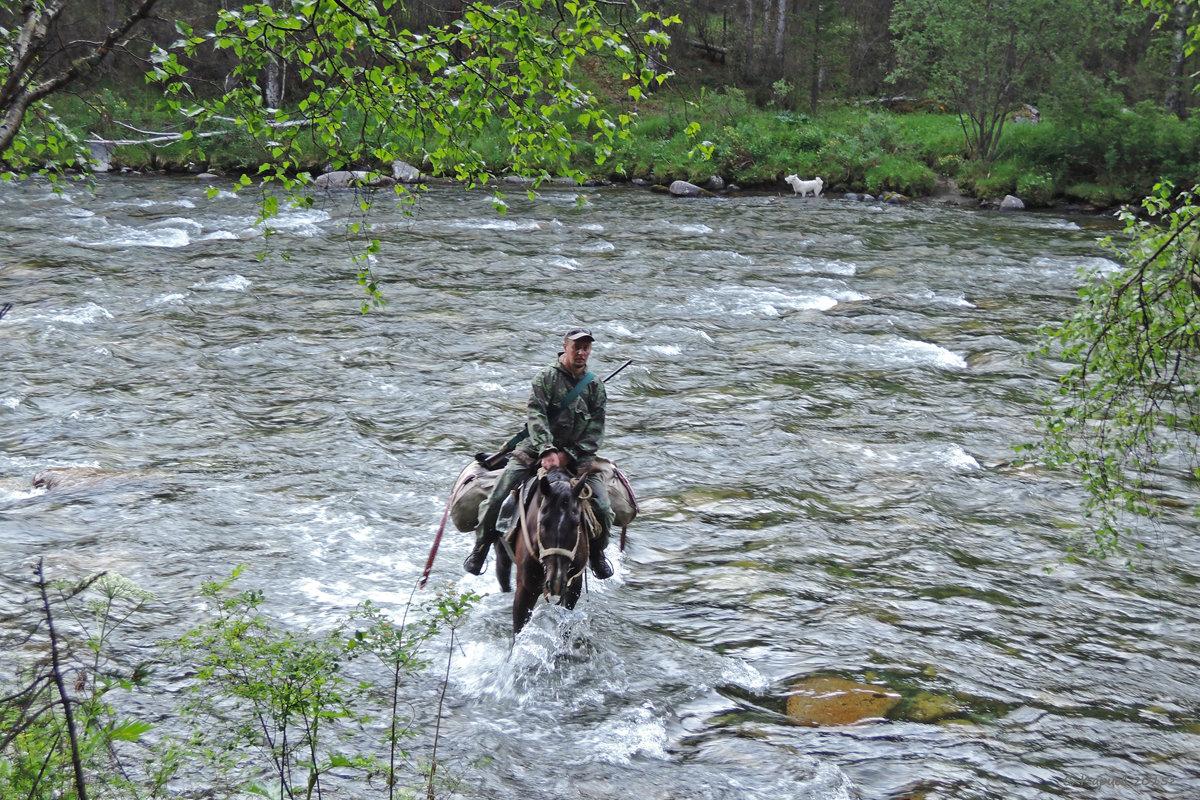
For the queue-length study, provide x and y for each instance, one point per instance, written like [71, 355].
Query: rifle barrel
[613, 374]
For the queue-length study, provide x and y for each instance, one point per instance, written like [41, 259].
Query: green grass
[1112, 156]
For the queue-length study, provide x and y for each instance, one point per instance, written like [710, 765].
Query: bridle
[533, 540]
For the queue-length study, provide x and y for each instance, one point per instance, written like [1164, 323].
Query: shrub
[1036, 189]
[1092, 194]
[990, 180]
[900, 174]
[844, 162]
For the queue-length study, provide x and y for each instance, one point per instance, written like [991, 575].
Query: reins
[533, 541]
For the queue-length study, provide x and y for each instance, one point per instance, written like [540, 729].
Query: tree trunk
[814, 95]
[273, 84]
[19, 91]
[781, 27]
[1175, 100]
[750, 48]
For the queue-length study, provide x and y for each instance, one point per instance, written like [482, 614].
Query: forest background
[1085, 102]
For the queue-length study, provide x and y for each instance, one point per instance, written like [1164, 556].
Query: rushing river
[819, 423]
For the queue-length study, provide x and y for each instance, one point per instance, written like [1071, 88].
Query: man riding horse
[565, 424]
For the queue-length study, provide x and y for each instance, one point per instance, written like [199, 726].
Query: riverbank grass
[1111, 157]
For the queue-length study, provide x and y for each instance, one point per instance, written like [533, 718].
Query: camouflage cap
[575, 334]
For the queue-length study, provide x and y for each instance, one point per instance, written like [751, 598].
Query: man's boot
[474, 562]
[600, 566]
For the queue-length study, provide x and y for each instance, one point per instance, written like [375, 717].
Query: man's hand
[555, 458]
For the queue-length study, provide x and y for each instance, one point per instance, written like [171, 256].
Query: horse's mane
[558, 481]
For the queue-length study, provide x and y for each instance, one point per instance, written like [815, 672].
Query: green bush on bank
[1099, 153]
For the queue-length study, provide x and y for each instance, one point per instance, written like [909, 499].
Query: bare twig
[60, 684]
[437, 725]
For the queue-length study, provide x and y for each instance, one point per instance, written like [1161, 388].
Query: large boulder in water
[404, 172]
[826, 700]
[347, 178]
[1012, 203]
[685, 189]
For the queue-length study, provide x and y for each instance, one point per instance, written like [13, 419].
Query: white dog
[802, 188]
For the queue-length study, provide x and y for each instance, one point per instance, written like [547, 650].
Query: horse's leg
[523, 602]
[574, 589]
[503, 567]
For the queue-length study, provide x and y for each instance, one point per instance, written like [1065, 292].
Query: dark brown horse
[550, 546]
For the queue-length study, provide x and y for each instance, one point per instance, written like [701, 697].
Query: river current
[819, 423]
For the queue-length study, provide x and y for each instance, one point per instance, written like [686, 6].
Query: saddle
[509, 521]
[475, 483]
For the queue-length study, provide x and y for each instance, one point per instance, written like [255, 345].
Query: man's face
[575, 354]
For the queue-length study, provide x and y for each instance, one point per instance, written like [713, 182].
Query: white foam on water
[740, 673]
[930, 296]
[816, 266]
[83, 315]
[544, 659]
[333, 595]
[682, 228]
[893, 351]
[561, 262]
[177, 222]
[166, 237]
[10, 402]
[219, 236]
[636, 732]
[592, 227]
[752, 301]
[20, 494]
[173, 298]
[667, 349]
[914, 457]
[230, 283]
[302, 222]
[598, 247]
[1034, 221]
[1072, 266]
[725, 257]
[499, 225]
[917, 352]
[959, 458]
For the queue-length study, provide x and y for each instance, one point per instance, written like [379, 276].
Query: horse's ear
[544, 484]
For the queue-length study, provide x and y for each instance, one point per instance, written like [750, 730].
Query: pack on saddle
[476, 481]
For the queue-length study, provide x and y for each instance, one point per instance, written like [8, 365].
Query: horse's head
[563, 549]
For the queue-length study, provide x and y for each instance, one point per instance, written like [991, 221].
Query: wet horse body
[550, 549]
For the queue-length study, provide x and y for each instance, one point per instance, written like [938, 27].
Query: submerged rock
[826, 700]
[929, 707]
[63, 477]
